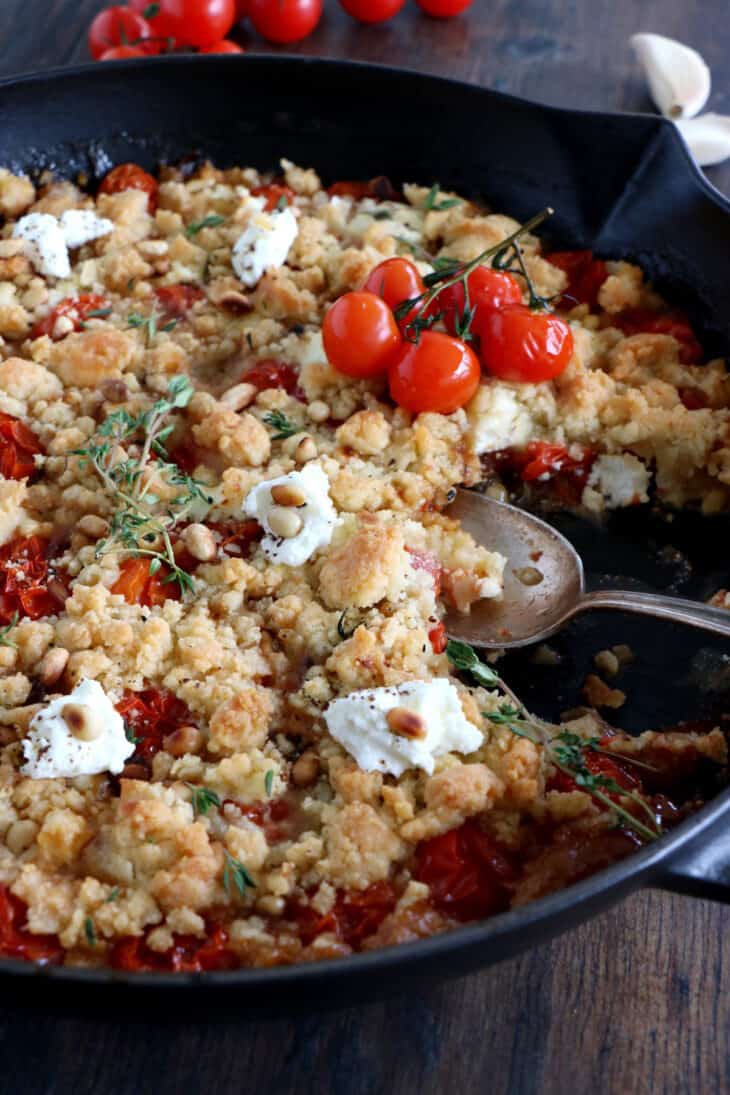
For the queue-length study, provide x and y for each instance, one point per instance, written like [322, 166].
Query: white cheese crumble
[318, 515]
[502, 422]
[48, 238]
[80, 226]
[616, 480]
[51, 749]
[263, 245]
[358, 722]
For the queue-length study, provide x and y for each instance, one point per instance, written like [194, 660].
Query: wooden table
[633, 1002]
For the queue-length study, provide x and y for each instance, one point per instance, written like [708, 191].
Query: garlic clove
[678, 78]
[707, 137]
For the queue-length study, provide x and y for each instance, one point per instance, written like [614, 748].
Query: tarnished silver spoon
[544, 586]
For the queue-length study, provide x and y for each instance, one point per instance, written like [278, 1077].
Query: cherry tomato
[150, 10]
[130, 176]
[18, 446]
[468, 875]
[177, 300]
[122, 53]
[276, 194]
[396, 280]
[542, 460]
[488, 290]
[524, 346]
[355, 915]
[188, 954]
[372, 11]
[196, 22]
[29, 586]
[284, 21]
[17, 942]
[380, 188]
[242, 9]
[139, 587]
[237, 537]
[443, 9]
[438, 373]
[635, 321]
[437, 638]
[224, 46]
[119, 26]
[269, 373]
[599, 765]
[586, 275]
[151, 715]
[360, 335]
[76, 309]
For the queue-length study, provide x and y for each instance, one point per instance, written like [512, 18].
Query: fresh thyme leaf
[5, 631]
[148, 324]
[464, 658]
[129, 733]
[203, 798]
[89, 930]
[234, 872]
[278, 422]
[151, 11]
[213, 220]
[431, 203]
[99, 313]
[113, 896]
[170, 325]
[281, 204]
[342, 629]
[269, 781]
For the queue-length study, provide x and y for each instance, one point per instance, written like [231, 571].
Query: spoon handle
[665, 608]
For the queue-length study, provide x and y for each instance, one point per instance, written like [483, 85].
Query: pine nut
[52, 665]
[405, 723]
[284, 522]
[114, 391]
[186, 739]
[20, 836]
[529, 576]
[239, 396]
[200, 542]
[305, 450]
[305, 770]
[234, 301]
[93, 526]
[318, 411]
[82, 721]
[286, 494]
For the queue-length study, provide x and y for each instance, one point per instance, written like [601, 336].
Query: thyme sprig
[202, 799]
[449, 272]
[213, 220]
[5, 631]
[567, 751]
[234, 873]
[149, 324]
[432, 203]
[121, 458]
[281, 425]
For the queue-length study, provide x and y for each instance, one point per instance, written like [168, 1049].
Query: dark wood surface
[634, 1002]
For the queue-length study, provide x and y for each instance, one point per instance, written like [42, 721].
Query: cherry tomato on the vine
[488, 290]
[122, 53]
[242, 9]
[277, 194]
[118, 26]
[438, 373]
[224, 46]
[396, 280]
[130, 176]
[443, 9]
[195, 22]
[372, 11]
[360, 335]
[524, 346]
[284, 21]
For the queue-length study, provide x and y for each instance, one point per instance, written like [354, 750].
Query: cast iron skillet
[622, 184]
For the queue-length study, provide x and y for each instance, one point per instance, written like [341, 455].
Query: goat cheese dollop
[619, 479]
[52, 749]
[49, 237]
[263, 245]
[317, 515]
[80, 226]
[503, 422]
[359, 722]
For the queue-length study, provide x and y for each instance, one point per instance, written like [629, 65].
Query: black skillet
[622, 184]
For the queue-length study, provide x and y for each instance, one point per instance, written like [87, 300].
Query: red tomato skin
[372, 11]
[18, 446]
[355, 915]
[360, 335]
[269, 373]
[75, 308]
[488, 290]
[25, 576]
[520, 345]
[469, 876]
[177, 300]
[274, 192]
[130, 176]
[586, 275]
[152, 714]
[285, 21]
[118, 26]
[438, 373]
[122, 53]
[437, 638]
[139, 587]
[242, 9]
[396, 280]
[17, 942]
[636, 321]
[443, 9]
[542, 460]
[188, 954]
[224, 46]
[197, 23]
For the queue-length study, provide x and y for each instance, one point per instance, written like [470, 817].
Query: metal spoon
[544, 586]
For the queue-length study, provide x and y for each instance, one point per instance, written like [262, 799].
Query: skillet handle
[702, 871]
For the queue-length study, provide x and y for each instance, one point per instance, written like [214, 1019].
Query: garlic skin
[678, 78]
[707, 137]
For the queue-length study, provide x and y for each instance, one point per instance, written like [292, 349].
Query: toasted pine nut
[186, 739]
[52, 665]
[82, 721]
[114, 391]
[92, 525]
[200, 542]
[286, 494]
[9, 248]
[318, 410]
[234, 301]
[305, 450]
[20, 836]
[305, 770]
[239, 396]
[405, 723]
[284, 522]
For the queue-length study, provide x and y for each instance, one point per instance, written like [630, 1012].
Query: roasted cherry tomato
[277, 195]
[176, 300]
[586, 275]
[151, 715]
[17, 942]
[360, 335]
[443, 9]
[195, 22]
[237, 537]
[396, 280]
[380, 188]
[522, 345]
[598, 764]
[119, 26]
[488, 290]
[468, 875]
[18, 446]
[76, 309]
[355, 915]
[285, 21]
[543, 460]
[28, 584]
[636, 321]
[130, 176]
[438, 373]
[139, 587]
[122, 53]
[188, 954]
[242, 9]
[372, 11]
[269, 373]
[437, 638]
[224, 46]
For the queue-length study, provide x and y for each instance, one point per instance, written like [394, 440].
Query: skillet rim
[608, 885]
